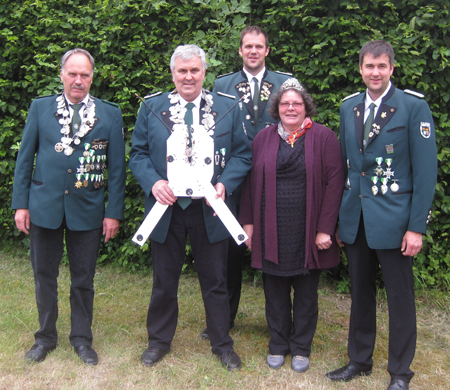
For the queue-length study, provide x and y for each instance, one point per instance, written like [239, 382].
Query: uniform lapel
[358, 117]
[384, 115]
[265, 92]
[243, 88]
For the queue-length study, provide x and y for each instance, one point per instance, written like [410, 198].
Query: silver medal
[68, 151]
[374, 187]
[394, 186]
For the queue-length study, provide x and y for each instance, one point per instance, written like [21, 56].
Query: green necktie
[76, 120]
[189, 121]
[256, 98]
[368, 124]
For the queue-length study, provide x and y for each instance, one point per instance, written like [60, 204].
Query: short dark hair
[310, 107]
[254, 30]
[376, 49]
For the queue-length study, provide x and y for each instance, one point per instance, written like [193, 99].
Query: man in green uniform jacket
[74, 137]
[389, 148]
[208, 235]
[253, 116]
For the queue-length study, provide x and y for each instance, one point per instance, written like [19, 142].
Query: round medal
[68, 151]
[394, 187]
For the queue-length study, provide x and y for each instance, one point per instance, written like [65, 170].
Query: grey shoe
[275, 361]
[300, 363]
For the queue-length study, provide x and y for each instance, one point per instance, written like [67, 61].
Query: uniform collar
[259, 76]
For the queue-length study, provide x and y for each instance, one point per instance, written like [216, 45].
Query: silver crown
[291, 83]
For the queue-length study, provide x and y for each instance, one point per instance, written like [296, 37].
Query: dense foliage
[132, 41]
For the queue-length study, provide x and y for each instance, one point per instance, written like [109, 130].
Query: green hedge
[132, 41]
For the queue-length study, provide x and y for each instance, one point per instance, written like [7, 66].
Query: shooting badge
[394, 185]
[374, 187]
[384, 187]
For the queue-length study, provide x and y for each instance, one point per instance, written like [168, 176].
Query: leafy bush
[132, 43]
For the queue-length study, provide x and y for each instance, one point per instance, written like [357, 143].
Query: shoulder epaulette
[46, 96]
[350, 96]
[285, 73]
[223, 75]
[153, 95]
[111, 103]
[414, 93]
[226, 95]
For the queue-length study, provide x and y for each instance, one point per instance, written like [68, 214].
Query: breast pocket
[395, 129]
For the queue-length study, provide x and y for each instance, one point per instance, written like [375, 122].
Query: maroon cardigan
[324, 187]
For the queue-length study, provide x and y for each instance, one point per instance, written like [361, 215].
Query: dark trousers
[399, 282]
[292, 323]
[46, 248]
[236, 261]
[211, 265]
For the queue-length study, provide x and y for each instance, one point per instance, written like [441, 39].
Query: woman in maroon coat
[289, 209]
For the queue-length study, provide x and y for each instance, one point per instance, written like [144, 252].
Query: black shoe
[398, 384]
[205, 334]
[87, 354]
[38, 353]
[347, 373]
[231, 360]
[151, 356]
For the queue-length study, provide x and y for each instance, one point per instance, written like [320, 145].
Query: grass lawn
[120, 337]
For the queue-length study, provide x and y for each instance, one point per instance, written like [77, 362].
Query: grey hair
[77, 50]
[187, 52]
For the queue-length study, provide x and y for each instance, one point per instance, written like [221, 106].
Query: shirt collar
[85, 100]
[377, 102]
[196, 101]
[259, 76]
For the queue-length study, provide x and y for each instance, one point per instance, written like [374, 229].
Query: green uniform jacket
[148, 158]
[402, 149]
[236, 84]
[50, 192]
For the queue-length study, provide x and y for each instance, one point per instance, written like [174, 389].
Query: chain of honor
[383, 175]
[177, 117]
[87, 123]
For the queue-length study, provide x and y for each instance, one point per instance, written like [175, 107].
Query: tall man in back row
[74, 138]
[257, 84]
[389, 149]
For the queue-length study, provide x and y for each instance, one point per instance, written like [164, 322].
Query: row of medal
[383, 175]
[87, 123]
[89, 163]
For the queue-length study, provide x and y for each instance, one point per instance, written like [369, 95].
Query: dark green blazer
[148, 158]
[236, 84]
[405, 136]
[49, 190]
